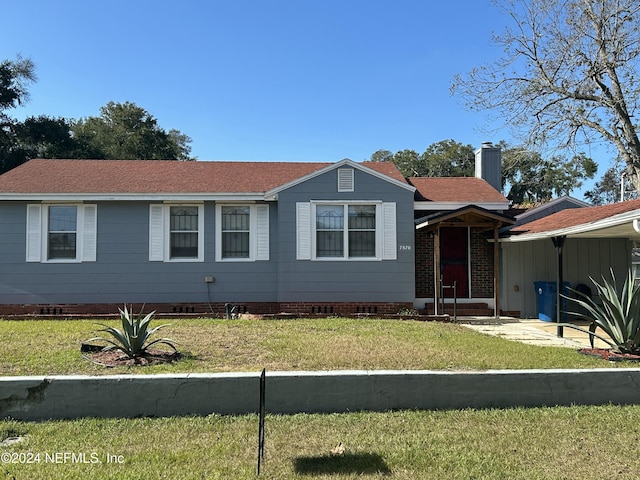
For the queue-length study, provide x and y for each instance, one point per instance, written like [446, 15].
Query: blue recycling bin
[546, 295]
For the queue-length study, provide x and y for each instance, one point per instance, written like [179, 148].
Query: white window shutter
[346, 180]
[303, 231]
[389, 236]
[34, 233]
[262, 233]
[89, 232]
[156, 233]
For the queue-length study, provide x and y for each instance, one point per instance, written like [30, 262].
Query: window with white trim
[176, 232]
[61, 233]
[242, 232]
[346, 231]
[183, 231]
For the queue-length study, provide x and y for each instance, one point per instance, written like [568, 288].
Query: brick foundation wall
[208, 309]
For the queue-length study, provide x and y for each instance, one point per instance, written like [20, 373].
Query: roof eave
[581, 230]
[85, 197]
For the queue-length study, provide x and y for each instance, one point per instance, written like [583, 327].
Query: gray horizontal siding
[524, 263]
[122, 271]
[344, 281]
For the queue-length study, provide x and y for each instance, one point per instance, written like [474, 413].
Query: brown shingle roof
[576, 216]
[161, 176]
[455, 189]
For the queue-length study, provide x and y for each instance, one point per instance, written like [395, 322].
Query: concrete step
[478, 309]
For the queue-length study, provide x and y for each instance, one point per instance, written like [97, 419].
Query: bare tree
[569, 74]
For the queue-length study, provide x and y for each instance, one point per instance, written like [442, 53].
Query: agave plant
[618, 316]
[133, 339]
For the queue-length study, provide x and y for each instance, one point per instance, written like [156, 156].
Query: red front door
[454, 260]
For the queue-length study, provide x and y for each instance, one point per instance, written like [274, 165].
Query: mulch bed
[607, 354]
[115, 358]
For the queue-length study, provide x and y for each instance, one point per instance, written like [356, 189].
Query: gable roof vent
[345, 180]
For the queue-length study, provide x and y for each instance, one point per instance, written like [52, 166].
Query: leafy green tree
[41, 137]
[408, 162]
[381, 156]
[533, 179]
[15, 76]
[607, 189]
[47, 137]
[528, 177]
[125, 131]
[446, 158]
[568, 74]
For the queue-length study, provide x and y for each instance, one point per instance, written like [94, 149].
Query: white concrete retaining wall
[59, 397]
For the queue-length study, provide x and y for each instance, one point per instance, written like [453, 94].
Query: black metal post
[558, 242]
[261, 419]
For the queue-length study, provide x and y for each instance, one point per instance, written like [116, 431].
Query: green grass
[47, 347]
[539, 443]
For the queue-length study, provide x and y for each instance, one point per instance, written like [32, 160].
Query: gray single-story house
[268, 237]
[86, 236]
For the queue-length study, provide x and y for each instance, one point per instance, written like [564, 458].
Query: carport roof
[608, 221]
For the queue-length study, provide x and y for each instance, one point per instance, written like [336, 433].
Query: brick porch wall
[481, 264]
[424, 264]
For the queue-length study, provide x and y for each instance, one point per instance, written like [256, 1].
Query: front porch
[458, 260]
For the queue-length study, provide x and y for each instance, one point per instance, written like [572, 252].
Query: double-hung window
[242, 232]
[61, 232]
[346, 231]
[236, 231]
[183, 232]
[176, 232]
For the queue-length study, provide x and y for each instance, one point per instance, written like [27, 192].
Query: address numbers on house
[404, 247]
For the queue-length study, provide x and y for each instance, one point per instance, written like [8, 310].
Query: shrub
[617, 315]
[133, 339]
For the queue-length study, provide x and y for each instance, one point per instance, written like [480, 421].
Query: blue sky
[280, 80]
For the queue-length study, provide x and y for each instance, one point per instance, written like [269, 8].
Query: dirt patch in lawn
[116, 358]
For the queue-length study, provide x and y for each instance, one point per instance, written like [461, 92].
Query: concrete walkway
[531, 331]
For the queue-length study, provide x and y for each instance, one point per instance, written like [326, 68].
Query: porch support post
[496, 272]
[558, 242]
[436, 270]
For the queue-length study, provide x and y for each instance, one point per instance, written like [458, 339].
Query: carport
[613, 228]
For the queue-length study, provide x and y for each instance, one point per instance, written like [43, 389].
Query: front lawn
[569, 443]
[47, 347]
